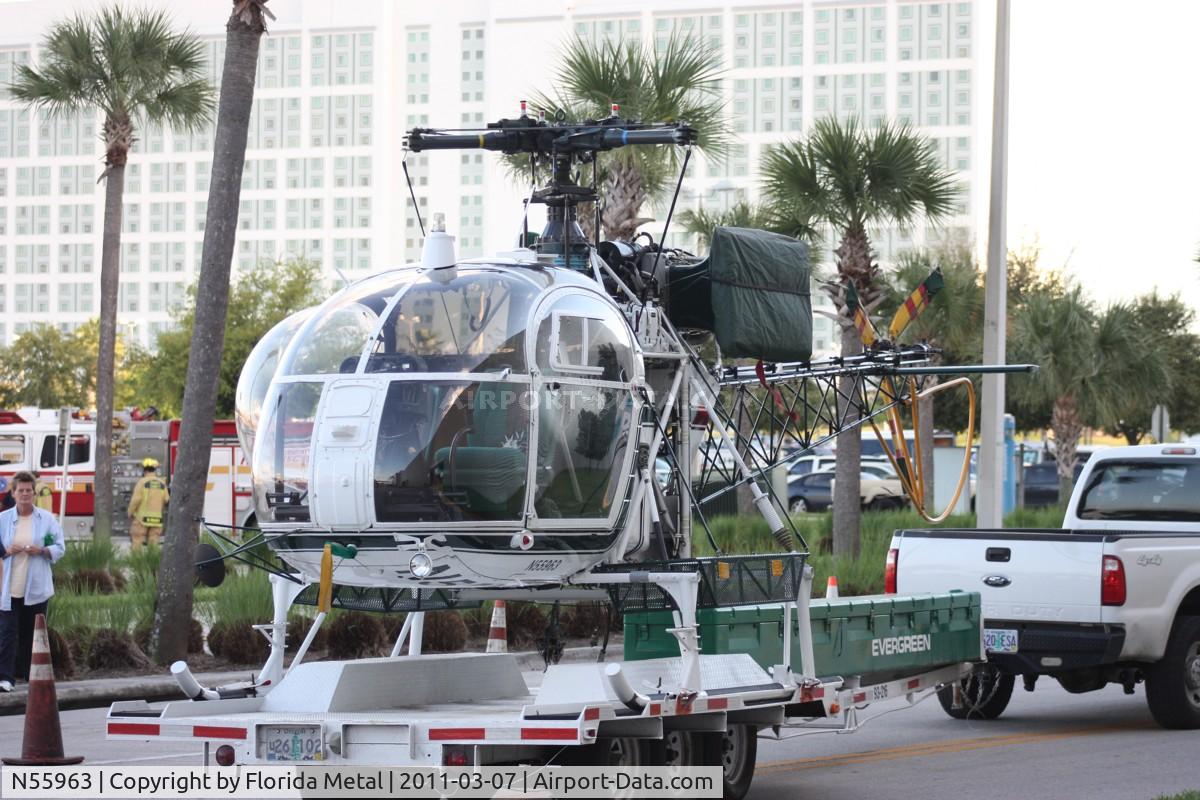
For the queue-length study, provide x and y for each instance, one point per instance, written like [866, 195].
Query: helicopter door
[342, 457]
[586, 413]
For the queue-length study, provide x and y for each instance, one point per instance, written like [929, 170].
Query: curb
[100, 693]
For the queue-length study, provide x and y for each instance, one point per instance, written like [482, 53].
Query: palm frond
[127, 64]
[184, 106]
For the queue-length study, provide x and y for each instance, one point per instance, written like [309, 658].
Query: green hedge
[863, 575]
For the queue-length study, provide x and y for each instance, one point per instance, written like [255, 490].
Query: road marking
[943, 747]
[123, 761]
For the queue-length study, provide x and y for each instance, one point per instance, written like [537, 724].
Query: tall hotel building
[340, 82]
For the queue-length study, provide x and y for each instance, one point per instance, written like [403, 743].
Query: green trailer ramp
[879, 637]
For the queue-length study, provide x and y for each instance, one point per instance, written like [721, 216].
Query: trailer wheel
[1173, 684]
[616, 752]
[735, 751]
[675, 749]
[985, 694]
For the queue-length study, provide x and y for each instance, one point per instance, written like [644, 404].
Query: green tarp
[752, 292]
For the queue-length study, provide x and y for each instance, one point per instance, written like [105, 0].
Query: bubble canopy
[501, 394]
[257, 373]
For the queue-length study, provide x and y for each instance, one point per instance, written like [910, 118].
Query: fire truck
[32, 439]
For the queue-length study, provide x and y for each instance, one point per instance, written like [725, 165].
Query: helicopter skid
[382, 559]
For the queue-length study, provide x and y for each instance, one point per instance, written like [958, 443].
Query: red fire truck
[31, 439]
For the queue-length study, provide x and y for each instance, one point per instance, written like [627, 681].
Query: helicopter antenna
[596, 203]
[687, 155]
[411, 192]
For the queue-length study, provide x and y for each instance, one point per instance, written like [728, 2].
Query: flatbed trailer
[477, 710]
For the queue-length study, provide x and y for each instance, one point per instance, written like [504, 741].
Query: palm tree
[134, 69]
[1090, 364]
[680, 83]
[854, 178]
[790, 221]
[953, 323]
[173, 611]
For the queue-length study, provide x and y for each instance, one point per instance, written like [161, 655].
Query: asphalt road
[1048, 744]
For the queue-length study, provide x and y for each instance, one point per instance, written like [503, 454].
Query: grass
[863, 575]
[243, 597]
[69, 610]
[1193, 794]
[99, 554]
[143, 567]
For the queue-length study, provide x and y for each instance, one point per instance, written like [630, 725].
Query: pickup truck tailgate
[1024, 575]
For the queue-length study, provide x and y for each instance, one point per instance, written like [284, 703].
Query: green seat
[489, 462]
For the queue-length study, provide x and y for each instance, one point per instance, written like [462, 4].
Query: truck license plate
[1000, 640]
[292, 743]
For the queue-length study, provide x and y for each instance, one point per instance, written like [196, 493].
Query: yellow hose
[908, 465]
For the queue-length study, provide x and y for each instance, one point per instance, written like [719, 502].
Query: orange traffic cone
[498, 632]
[42, 745]
[831, 590]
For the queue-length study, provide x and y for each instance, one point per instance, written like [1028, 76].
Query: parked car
[814, 492]
[1041, 483]
[821, 462]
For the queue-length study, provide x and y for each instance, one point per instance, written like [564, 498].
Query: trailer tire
[986, 692]
[675, 749]
[1173, 684]
[735, 751]
[614, 752]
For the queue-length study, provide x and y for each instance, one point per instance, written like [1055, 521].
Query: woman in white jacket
[31, 540]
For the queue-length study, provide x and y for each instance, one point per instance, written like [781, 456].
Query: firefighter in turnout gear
[43, 495]
[146, 506]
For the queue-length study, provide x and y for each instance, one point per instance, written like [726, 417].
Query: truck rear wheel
[985, 694]
[1173, 684]
[735, 751]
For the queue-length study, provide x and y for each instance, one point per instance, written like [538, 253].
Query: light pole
[989, 498]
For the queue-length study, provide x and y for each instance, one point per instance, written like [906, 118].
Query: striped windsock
[915, 303]
[866, 331]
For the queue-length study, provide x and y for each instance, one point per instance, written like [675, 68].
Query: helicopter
[495, 424]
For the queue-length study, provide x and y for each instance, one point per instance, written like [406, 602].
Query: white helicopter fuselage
[481, 428]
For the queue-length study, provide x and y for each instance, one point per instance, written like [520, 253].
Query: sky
[1104, 142]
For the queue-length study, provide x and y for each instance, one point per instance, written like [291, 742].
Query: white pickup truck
[1111, 597]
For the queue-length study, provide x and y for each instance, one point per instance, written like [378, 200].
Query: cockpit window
[451, 451]
[583, 337]
[334, 337]
[474, 323]
[283, 455]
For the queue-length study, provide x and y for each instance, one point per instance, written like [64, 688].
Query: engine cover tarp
[752, 292]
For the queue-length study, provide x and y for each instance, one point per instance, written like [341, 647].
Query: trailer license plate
[1000, 640]
[292, 743]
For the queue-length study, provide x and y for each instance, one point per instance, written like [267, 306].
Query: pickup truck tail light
[1112, 582]
[889, 572]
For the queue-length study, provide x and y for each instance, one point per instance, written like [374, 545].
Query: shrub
[90, 581]
[216, 639]
[478, 620]
[586, 620]
[60, 655]
[115, 650]
[297, 629]
[445, 632]
[356, 634]
[241, 644]
[79, 642]
[195, 643]
[526, 624]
